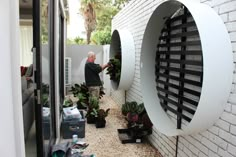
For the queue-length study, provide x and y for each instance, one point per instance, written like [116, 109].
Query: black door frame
[61, 55]
[37, 76]
[51, 45]
[42, 150]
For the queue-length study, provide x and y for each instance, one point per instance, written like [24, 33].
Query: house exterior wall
[220, 139]
[11, 118]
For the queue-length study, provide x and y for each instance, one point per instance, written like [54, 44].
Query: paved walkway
[104, 142]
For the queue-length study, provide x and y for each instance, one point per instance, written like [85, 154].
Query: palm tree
[88, 11]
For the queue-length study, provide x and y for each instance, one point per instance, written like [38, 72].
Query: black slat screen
[179, 67]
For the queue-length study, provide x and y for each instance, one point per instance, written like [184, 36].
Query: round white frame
[217, 67]
[125, 39]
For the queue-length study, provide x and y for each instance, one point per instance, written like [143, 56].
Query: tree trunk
[88, 37]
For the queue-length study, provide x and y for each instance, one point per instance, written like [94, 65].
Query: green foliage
[93, 102]
[114, 70]
[81, 92]
[82, 88]
[94, 112]
[102, 114]
[132, 107]
[83, 100]
[79, 41]
[45, 95]
[136, 115]
[68, 102]
[105, 10]
[93, 107]
[102, 37]
[45, 100]
[70, 41]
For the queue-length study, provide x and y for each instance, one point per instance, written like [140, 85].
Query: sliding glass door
[44, 65]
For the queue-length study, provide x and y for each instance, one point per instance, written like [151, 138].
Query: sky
[76, 26]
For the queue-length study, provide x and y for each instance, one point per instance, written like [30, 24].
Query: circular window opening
[179, 66]
[182, 63]
[122, 57]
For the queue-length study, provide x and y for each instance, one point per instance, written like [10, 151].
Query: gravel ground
[104, 142]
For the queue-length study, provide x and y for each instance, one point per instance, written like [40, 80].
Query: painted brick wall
[217, 141]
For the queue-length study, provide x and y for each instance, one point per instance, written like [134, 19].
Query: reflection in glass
[45, 88]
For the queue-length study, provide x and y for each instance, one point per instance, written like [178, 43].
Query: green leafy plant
[68, 102]
[82, 88]
[102, 37]
[102, 114]
[45, 95]
[114, 70]
[101, 118]
[93, 102]
[93, 106]
[136, 116]
[82, 100]
[80, 41]
[45, 100]
[92, 109]
[132, 107]
[81, 92]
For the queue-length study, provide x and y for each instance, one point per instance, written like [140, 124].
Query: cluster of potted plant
[139, 123]
[114, 70]
[82, 93]
[95, 115]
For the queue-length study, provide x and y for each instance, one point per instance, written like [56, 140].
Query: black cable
[177, 142]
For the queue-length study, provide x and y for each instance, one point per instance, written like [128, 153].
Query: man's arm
[104, 66]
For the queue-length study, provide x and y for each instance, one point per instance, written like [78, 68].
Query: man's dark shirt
[92, 71]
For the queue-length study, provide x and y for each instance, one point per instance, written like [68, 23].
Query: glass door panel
[43, 28]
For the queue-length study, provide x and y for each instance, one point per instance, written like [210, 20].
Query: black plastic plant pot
[91, 120]
[80, 106]
[100, 123]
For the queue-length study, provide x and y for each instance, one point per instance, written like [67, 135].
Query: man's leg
[94, 91]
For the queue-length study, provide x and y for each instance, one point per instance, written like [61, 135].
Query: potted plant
[82, 93]
[100, 118]
[139, 123]
[67, 103]
[92, 110]
[45, 95]
[82, 101]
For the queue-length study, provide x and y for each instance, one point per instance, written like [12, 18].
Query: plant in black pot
[139, 123]
[92, 110]
[82, 101]
[131, 110]
[67, 103]
[114, 70]
[82, 93]
[101, 118]
[45, 95]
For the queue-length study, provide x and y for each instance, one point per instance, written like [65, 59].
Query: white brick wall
[220, 139]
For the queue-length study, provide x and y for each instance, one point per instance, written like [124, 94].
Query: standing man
[92, 79]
